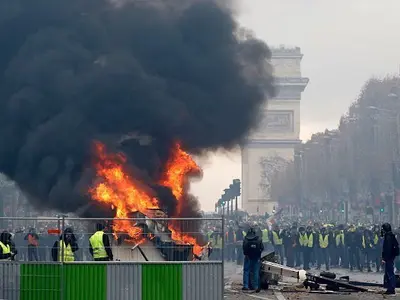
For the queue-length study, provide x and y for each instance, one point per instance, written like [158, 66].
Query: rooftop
[283, 51]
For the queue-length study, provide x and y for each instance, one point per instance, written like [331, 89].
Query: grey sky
[344, 43]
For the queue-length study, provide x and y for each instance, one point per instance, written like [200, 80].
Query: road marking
[259, 297]
[279, 295]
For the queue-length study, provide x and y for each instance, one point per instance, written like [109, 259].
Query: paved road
[233, 279]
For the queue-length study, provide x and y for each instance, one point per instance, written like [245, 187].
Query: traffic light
[342, 209]
[236, 187]
[382, 207]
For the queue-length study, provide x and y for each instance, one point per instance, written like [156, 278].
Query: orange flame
[121, 192]
[179, 166]
[126, 195]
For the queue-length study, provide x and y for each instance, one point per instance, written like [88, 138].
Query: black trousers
[354, 257]
[306, 257]
[323, 257]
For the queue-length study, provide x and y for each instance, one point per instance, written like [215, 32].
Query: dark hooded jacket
[390, 247]
[71, 241]
[252, 245]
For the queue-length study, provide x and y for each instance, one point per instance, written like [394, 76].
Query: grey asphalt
[233, 285]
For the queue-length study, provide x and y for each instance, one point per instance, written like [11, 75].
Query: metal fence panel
[162, 282]
[85, 281]
[40, 281]
[124, 281]
[202, 281]
[9, 280]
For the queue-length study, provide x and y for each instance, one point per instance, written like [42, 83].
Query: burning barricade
[140, 222]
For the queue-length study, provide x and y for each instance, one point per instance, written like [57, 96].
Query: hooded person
[64, 249]
[390, 250]
[7, 247]
[252, 249]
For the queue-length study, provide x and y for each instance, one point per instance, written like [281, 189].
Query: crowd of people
[33, 246]
[360, 248]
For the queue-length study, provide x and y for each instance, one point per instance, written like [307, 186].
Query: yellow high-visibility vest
[276, 239]
[340, 239]
[376, 239]
[6, 249]
[310, 240]
[96, 241]
[265, 236]
[68, 254]
[303, 240]
[363, 243]
[323, 241]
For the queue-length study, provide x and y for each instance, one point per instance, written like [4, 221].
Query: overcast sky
[344, 43]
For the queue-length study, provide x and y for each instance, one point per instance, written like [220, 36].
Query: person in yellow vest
[377, 247]
[323, 242]
[99, 245]
[277, 242]
[308, 248]
[230, 244]
[265, 237]
[239, 237]
[340, 248]
[302, 243]
[367, 248]
[7, 247]
[64, 249]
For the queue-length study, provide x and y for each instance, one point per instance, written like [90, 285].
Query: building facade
[270, 146]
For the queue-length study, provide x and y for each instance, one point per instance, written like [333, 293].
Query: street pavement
[233, 285]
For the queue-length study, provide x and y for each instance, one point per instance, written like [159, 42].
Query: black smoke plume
[76, 71]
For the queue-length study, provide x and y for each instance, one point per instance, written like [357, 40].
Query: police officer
[99, 245]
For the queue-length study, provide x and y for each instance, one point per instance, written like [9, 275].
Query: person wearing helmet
[390, 250]
[252, 249]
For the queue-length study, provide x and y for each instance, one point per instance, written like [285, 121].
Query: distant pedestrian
[33, 244]
[252, 249]
[390, 250]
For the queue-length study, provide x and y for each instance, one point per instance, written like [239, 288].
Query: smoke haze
[81, 70]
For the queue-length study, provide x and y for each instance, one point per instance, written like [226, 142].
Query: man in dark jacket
[390, 250]
[252, 249]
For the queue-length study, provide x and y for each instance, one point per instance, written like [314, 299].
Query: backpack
[252, 248]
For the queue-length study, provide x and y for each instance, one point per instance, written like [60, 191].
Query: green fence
[111, 281]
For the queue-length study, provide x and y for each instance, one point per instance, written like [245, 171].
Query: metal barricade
[169, 259]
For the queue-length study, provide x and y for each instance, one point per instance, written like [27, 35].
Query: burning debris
[149, 83]
[127, 195]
